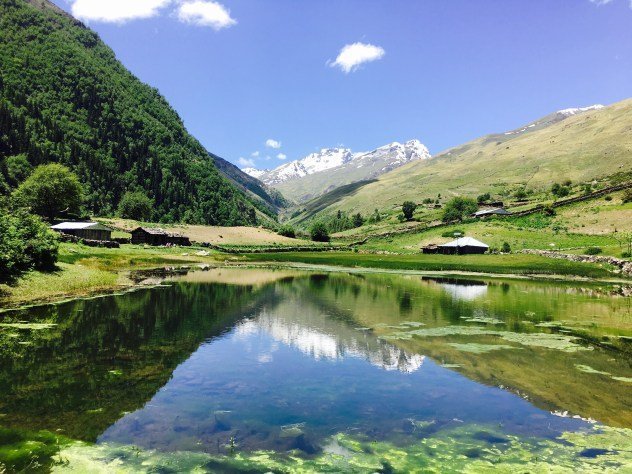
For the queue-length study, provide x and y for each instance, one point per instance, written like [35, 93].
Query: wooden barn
[460, 246]
[85, 230]
[156, 236]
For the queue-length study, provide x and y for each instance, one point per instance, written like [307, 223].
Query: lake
[264, 370]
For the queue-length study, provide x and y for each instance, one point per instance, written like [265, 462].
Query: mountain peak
[578, 110]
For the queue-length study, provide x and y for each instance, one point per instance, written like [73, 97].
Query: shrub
[548, 211]
[483, 198]
[49, 190]
[627, 196]
[319, 233]
[593, 251]
[608, 198]
[408, 208]
[560, 191]
[506, 248]
[520, 194]
[25, 243]
[287, 231]
[375, 217]
[625, 255]
[428, 201]
[358, 220]
[135, 205]
[459, 208]
[587, 188]
[451, 233]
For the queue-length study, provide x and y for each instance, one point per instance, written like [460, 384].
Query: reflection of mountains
[321, 336]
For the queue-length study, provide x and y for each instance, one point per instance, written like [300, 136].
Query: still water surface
[345, 371]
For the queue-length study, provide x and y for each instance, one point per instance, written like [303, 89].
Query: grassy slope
[581, 148]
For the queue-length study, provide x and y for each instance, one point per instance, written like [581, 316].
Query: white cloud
[351, 56]
[254, 154]
[271, 143]
[205, 13]
[282, 156]
[600, 2]
[246, 162]
[117, 11]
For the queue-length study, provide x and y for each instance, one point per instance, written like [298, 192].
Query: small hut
[463, 246]
[156, 236]
[85, 230]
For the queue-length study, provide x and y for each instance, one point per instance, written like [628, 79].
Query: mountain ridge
[332, 167]
[578, 144]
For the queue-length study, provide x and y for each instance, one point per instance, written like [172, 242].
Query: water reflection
[283, 359]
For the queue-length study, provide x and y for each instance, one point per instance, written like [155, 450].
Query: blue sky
[245, 72]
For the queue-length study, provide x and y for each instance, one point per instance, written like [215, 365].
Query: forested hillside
[64, 97]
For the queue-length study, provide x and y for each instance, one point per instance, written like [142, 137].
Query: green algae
[480, 348]
[560, 342]
[589, 370]
[484, 320]
[468, 448]
[30, 326]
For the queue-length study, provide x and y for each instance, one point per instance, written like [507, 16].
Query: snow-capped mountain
[579, 110]
[333, 167]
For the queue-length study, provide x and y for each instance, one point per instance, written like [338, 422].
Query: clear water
[230, 361]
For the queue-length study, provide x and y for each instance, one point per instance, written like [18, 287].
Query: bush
[451, 233]
[520, 194]
[587, 188]
[483, 198]
[408, 208]
[506, 248]
[549, 211]
[49, 190]
[608, 198]
[593, 251]
[627, 196]
[560, 191]
[358, 220]
[287, 231]
[25, 243]
[375, 217]
[319, 233]
[135, 205]
[459, 208]
[626, 254]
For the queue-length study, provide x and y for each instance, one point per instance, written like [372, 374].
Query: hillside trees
[408, 209]
[459, 208]
[64, 98]
[318, 232]
[135, 205]
[49, 190]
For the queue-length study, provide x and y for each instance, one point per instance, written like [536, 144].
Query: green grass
[518, 264]
[85, 270]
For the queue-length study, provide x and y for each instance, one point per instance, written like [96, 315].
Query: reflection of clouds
[464, 292]
[337, 343]
[264, 358]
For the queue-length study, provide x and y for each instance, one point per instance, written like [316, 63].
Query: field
[516, 264]
[232, 236]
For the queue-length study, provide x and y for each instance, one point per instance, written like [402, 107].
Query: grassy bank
[517, 264]
[83, 271]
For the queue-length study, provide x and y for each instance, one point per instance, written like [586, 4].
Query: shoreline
[125, 284]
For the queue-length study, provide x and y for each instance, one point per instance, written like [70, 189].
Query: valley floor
[86, 271]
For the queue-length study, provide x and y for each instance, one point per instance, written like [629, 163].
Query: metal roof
[484, 212]
[465, 242]
[80, 225]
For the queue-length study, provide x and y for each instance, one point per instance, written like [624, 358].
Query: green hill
[592, 145]
[64, 97]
